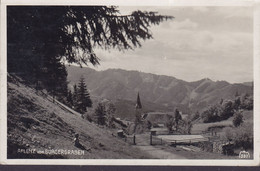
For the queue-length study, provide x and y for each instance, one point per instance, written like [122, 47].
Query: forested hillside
[163, 90]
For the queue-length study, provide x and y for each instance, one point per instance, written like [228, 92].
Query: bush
[242, 136]
[238, 119]
[195, 116]
[219, 112]
[229, 134]
[211, 114]
[88, 117]
[216, 127]
[148, 125]
[228, 110]
[205, 146]
[247, 102]
[186, 126]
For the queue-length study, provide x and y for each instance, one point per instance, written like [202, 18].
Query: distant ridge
[116, 84]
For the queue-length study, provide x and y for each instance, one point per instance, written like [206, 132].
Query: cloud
[186, 24]
[235, 12]
[202, 9]
[200, 42]
[177, 25]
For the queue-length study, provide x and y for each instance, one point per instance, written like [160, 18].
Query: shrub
[88, 117]
[229, 134]
[187, 126]
[205, 146]
[148, 124]
[195, 116]
[242, 136]
[228, 110]
[238, 119]
[216, 127]
[247, 102]
[218, 112]
[211, 114]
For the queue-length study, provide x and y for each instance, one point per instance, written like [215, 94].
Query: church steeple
[138, 102]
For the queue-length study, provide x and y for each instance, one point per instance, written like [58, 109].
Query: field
[200, 127]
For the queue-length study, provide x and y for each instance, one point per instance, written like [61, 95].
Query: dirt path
[142, 143]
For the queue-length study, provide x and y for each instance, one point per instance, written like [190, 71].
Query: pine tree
[75, 96]
[70, 99]
[54, 77]
[40, 37]
[110, 110]
[84, 100]
[237, 103]
[100, 113]
[177, 118]
[169, 123]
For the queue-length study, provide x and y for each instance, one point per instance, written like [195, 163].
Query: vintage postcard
[127, 83]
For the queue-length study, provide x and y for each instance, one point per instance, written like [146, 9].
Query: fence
[209, 133]
[130, 139]
[191, 141]
[61, 105]
[154, 140]
[159, 131]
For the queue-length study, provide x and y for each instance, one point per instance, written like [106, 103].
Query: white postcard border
[168, 162]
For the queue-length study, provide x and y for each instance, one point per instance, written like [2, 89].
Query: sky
[200, 42]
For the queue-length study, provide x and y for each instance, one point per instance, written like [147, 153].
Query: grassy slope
[199, 127]
[35, 122]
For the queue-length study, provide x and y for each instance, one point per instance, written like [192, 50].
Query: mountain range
[167, 91]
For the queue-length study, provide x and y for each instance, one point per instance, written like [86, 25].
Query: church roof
[138, 102]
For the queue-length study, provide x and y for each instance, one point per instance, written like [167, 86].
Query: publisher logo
[244, 155]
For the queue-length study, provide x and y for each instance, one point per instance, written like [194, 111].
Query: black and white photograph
[164, 83]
